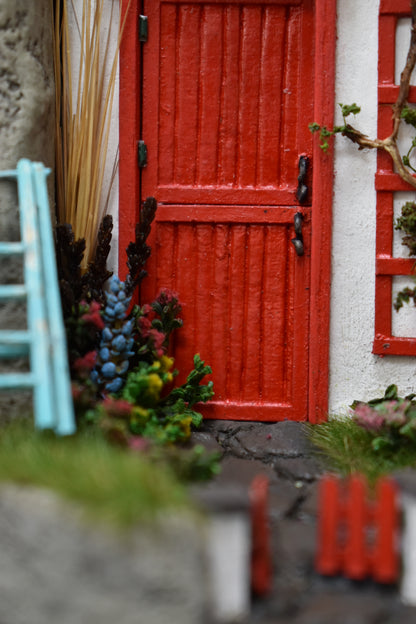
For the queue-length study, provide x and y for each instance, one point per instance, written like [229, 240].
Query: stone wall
[58, 568]
[26, 129]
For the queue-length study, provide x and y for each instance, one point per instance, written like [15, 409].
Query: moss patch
[111, 484]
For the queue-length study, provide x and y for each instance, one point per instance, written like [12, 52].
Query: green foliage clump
[407, 224]
[409, 116]
[142, 411]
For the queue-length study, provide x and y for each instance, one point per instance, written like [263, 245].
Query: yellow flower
[166, 363]
[186, 426]
[154, 385]
[139, 414]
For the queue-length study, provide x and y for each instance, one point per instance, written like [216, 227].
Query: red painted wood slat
[356, 562]
[270, 97]
[328, 559]
[188, 70]
[166, 148]
[323, 113]
[228, 123]
[394, 7]
[209, 95]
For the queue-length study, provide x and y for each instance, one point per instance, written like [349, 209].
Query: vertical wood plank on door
[185, 284]
[274, 357]
[203, 300]
[253, 313]
[291, 102]
[251, 23]
[187, 88]
[270, 99]
[165, 251]
[228, 126]
[238, 274]
[220, 320]
[167, 86]
[294, 320]
[209, 94]
[305, 77]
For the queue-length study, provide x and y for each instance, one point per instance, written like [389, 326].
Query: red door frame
[324, 87]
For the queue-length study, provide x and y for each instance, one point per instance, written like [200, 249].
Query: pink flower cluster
[148, 332]
[93, 314]
[167, 296]
[386, 414]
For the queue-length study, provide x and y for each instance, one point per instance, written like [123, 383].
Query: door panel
[225, 113]
[230, 104]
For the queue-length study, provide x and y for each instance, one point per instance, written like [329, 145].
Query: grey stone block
[55, 567]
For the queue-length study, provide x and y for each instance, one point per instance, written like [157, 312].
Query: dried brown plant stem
[83, 118]
[389, 144]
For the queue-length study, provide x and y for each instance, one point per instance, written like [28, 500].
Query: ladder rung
[12, 291]
[17, 380]
[14, 343]
[13, 351]
[11, 249]
[15, 336]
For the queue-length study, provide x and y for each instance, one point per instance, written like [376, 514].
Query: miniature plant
[390, 419]
[123, 379]
[345, 447]
[117, 340]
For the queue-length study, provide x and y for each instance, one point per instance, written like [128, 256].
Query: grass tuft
[345, 447]
[111, 484]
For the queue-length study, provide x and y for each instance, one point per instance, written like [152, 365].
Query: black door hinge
[143, 32]
[142, 154]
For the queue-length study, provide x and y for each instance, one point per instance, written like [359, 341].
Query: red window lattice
[388, 182]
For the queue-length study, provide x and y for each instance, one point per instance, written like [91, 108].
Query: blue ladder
[44, 340]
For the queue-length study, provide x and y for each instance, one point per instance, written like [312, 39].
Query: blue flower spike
[116, 346]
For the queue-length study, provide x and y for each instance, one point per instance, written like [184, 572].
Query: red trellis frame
[387, 183]
[130, 187]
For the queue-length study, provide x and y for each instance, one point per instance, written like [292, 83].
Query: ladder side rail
[63, 403]
[39, 356]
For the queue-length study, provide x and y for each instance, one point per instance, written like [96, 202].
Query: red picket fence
[357, 535]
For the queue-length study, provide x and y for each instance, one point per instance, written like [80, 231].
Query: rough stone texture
[299, 595]
[27, 108]
[55, 568]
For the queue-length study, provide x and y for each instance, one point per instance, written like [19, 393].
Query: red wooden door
[227, 95]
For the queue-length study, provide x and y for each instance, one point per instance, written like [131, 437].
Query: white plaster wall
[355, 373]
